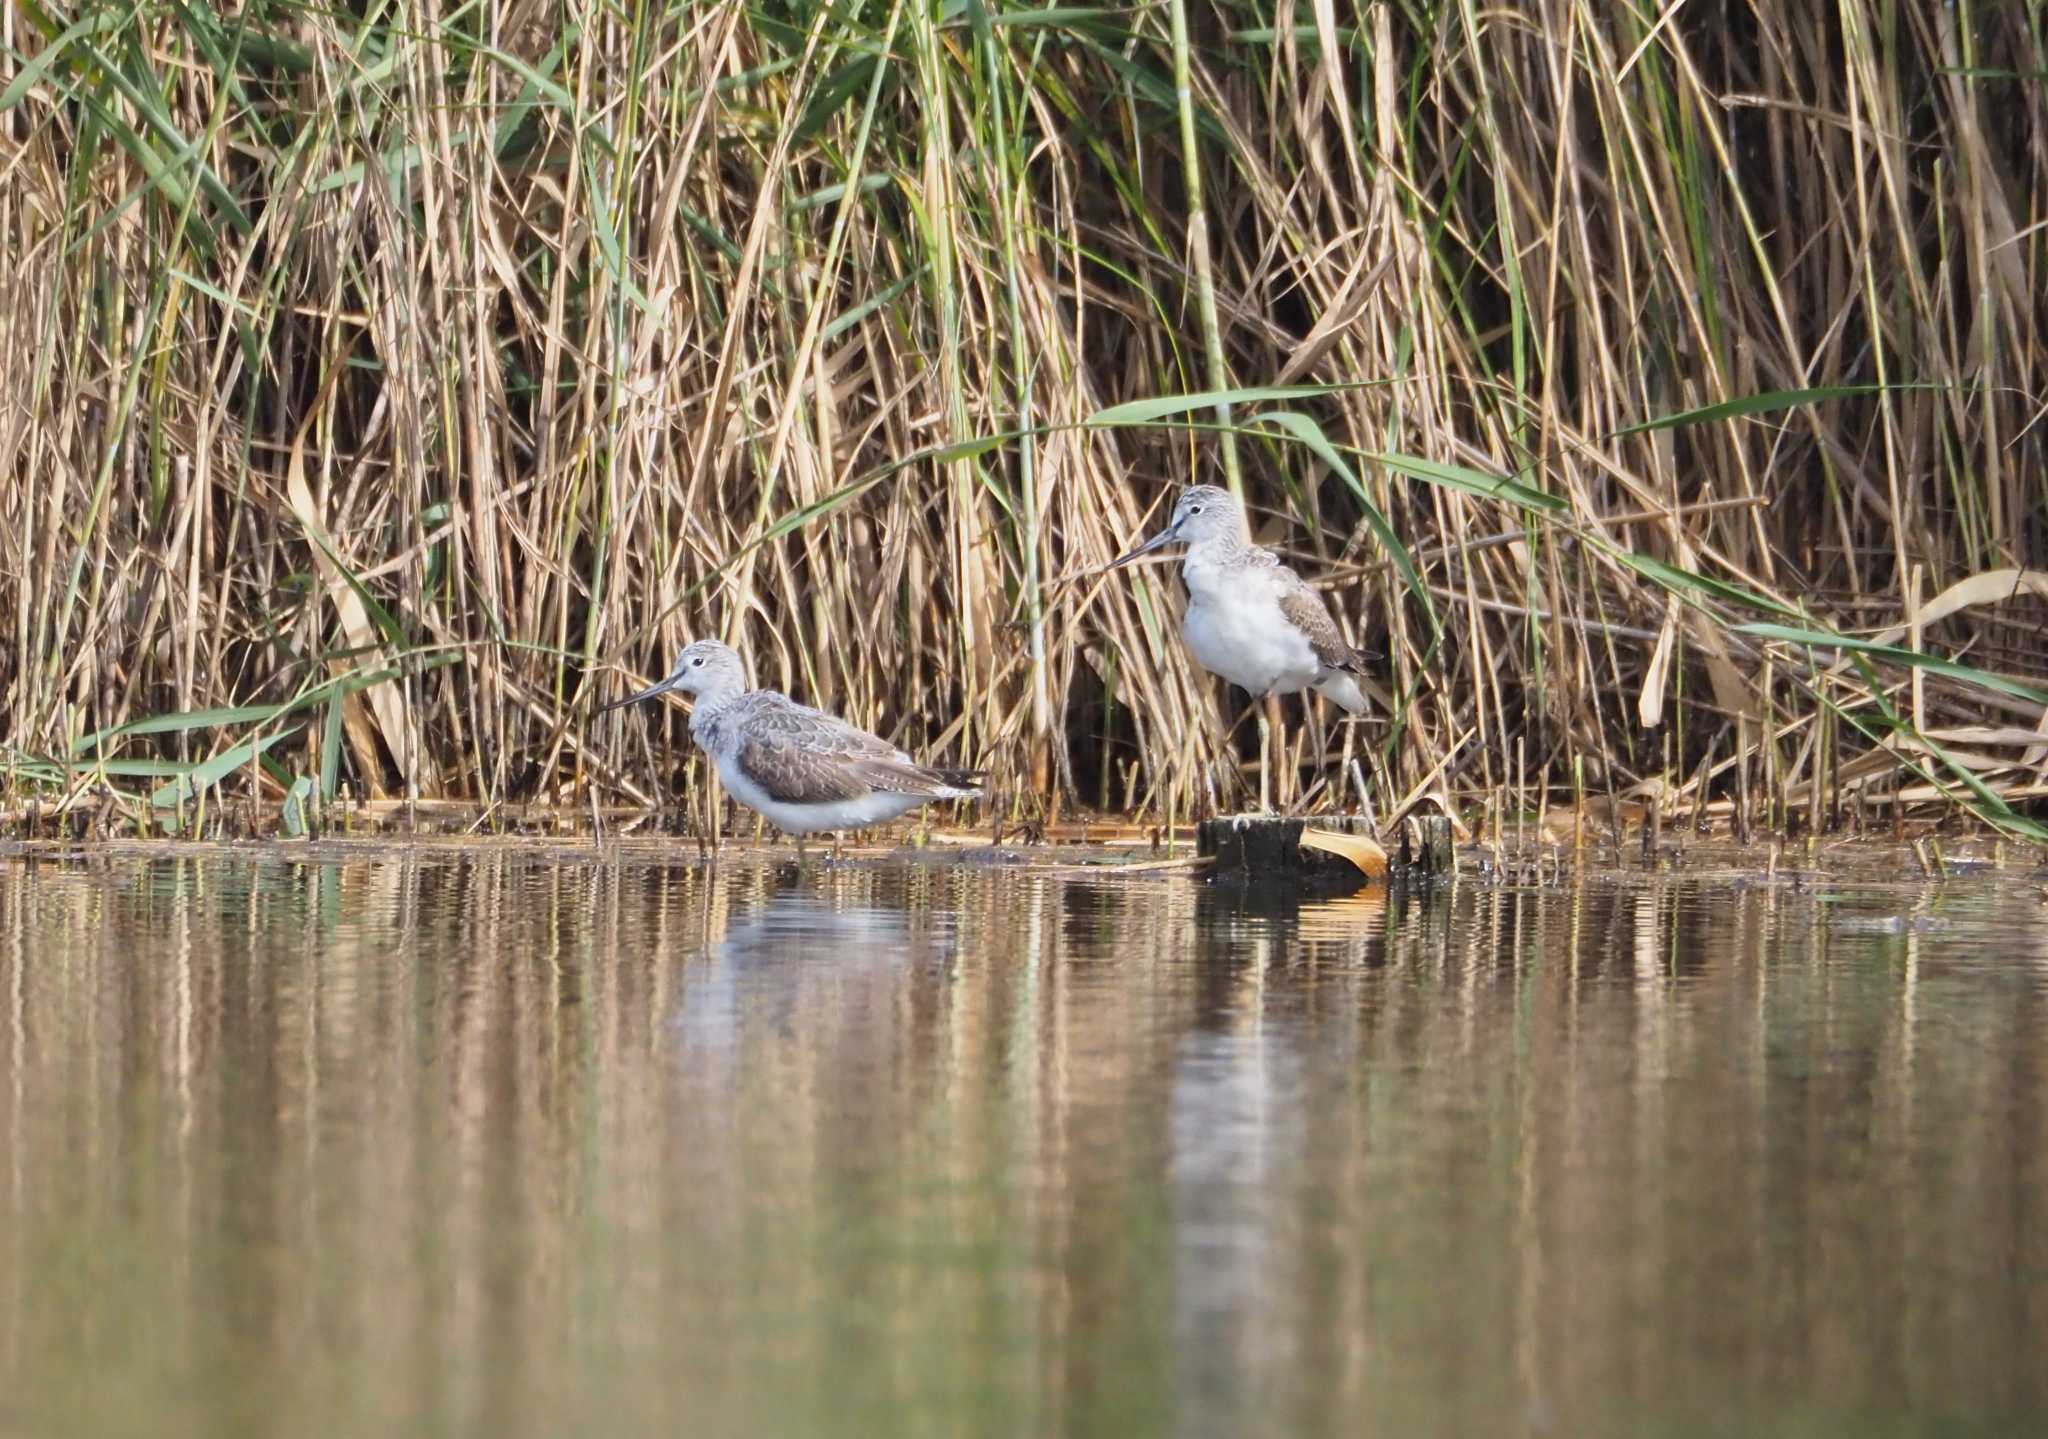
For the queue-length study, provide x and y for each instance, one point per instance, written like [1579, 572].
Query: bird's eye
[697, 663]
[1194, 509]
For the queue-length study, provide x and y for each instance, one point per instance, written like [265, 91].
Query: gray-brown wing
[804, 756]
[1306, 611]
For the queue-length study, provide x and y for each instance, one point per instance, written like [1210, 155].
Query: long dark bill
[1164, 537]
[647, 694]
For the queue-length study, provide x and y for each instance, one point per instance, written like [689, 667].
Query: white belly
[1246, 639]
[875, 807]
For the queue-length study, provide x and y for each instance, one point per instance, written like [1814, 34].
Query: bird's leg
[1265, 738]
[1271, 728]
[1224, 771]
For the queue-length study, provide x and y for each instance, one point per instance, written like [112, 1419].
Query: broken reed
[502, 348]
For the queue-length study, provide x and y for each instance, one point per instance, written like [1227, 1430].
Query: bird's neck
[1214, 552]
[711, 704]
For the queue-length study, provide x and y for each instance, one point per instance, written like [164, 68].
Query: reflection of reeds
[530, 1146]
[532, 344]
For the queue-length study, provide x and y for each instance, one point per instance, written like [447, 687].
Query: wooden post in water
[1268, 849]
[1427, 848]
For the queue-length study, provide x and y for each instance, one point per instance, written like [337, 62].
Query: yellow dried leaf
[1361, 850]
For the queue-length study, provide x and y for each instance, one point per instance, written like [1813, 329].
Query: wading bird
[1250, 619]
[802, 768]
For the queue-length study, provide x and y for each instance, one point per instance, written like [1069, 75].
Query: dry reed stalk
[605, 333]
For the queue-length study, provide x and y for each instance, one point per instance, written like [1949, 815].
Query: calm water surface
[530, 1146]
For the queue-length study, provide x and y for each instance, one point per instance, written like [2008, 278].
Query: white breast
[1235, 628]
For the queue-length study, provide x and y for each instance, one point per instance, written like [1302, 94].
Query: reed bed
[1660, 391]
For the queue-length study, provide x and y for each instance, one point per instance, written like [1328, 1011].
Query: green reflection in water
[448, 1145]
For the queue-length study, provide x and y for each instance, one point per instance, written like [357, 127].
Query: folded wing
[1305, 610]
[799, 755]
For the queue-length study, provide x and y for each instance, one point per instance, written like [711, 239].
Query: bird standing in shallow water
[803, 769]
[1251, 619]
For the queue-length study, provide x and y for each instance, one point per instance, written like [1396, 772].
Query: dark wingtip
[967, 780]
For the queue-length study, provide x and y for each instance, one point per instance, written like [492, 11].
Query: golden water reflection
[497, 1144]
